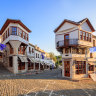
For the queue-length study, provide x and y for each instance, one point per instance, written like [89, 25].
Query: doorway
[10, 61]
[67, 68]
[66, 39]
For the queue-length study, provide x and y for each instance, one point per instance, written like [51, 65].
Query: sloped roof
[75, 23]
[31, 44]
[8, 21]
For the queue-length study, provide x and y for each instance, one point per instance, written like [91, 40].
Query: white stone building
[73, 40]
[19, 55]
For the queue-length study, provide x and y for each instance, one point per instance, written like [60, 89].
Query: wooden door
[67, 68]
[66, 39]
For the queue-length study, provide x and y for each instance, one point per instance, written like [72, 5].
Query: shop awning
[31, 59]
[23, 59]
[42, 62]
[46, 63]
[37, 61]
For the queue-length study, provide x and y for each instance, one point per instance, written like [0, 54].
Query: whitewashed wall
[66, 26]
[30, 54]
[16, 25]
[13, 37]
[37, 55]
[72, 35]
[85, 27]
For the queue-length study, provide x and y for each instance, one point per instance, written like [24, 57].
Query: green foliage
[59, 60]
[52, 56]
[56, 59]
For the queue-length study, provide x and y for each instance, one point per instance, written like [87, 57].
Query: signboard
[2, 46]
[92, 50]
[42, 55]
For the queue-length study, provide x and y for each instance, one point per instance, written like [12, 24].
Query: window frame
[14, 30]
[81, 35]
[80, 67]
[30, 50]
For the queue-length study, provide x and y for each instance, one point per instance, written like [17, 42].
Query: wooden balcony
[67, 43]
[74, 43]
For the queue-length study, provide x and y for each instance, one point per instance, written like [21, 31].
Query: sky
[43, 16]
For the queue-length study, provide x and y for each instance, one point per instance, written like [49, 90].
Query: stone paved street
[47, 83]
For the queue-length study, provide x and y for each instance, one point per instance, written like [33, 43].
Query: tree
[59, 60]
[52, 56]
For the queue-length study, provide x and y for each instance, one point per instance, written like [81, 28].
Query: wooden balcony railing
[68, 42]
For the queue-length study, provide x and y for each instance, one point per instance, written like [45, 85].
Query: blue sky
[43, 16]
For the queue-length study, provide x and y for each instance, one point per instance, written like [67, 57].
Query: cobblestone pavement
[38, 85]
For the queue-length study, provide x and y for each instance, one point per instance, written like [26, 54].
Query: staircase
[3, 70]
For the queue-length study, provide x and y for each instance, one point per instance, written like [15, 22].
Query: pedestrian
[50, 67]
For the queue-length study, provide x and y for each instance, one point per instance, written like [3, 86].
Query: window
[81, 35]
[66, 50]
[90, 37]
[26, 36]
[23, 35]
[6, 34]
[14, 30]
[38, 55]
[21, 50]
[3, 36]
[91, 55]
[80, 67]
[87, 36]
[20, 32]
[84, 36]
[32, 50]
[83, 51]
[91, 67]
[29, 50]
[8, 31]
[77, 50]
[21, 65]
[93, 43]
[67, 36]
